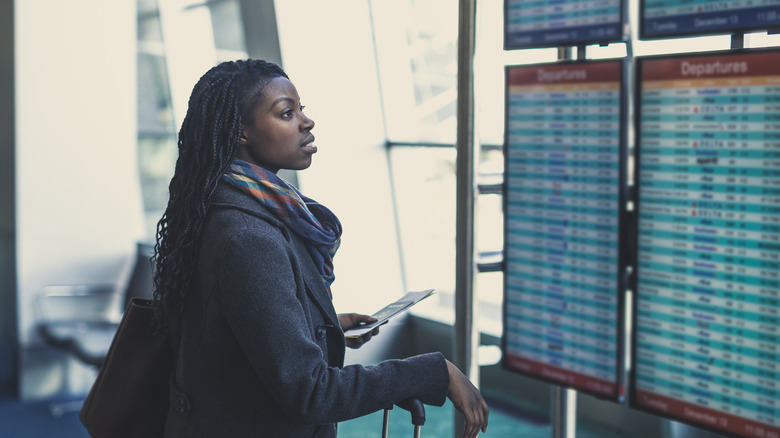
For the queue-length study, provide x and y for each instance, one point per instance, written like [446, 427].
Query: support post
[466, 333]
[564, 401]
[564, 409]
[738, 41]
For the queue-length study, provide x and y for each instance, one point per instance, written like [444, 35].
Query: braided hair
[221, 100]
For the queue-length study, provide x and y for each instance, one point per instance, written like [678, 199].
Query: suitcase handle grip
[416, 407]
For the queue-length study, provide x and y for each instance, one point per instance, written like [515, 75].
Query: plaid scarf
[315, 223]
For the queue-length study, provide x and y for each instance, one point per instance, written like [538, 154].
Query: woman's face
[278, 135]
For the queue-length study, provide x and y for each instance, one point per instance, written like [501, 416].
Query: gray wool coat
[259, 350]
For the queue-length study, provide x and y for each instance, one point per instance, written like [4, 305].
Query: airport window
[156, 129]
[418, 72]
[168, 66]
[419, 101]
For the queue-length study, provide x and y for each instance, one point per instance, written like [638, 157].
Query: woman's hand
[468, 400]
[352, 320]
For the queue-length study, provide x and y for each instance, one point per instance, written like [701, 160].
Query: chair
[82, 319]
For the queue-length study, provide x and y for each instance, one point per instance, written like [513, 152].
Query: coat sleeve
[264, 303]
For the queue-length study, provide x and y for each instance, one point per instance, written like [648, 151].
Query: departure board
[549, 23]
[706, 333]
[669, 18]
[563, 246]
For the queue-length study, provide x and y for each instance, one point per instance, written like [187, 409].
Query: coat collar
[228, 196]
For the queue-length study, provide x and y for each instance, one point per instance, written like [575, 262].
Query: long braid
[220, 101]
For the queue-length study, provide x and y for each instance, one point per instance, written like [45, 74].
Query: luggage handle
[415, 407]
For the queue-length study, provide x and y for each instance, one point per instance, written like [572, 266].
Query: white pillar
[78, 203]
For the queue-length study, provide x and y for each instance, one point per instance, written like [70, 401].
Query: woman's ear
[242, 140]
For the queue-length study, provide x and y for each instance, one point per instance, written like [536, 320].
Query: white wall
[78, 210]
[328, 52]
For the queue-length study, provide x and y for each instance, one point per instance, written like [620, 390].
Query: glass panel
[426, 193]
[425, 196]
[489, 62]
[489, 231]
[146, 6]
[489, 242]
[228, 27]
[489, 290]
[424, 183]
[417, 56]
[156, 160]
[219, 27]
[197, 36]
[155, 115]
[149, 28]
[156, 130]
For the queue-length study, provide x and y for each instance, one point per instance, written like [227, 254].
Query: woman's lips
[309, 147]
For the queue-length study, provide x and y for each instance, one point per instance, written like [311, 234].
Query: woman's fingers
[468, 400]
[476, 421]
[486, 413]
[351, 320]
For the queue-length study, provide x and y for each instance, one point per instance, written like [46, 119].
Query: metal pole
[466, 334]
[738, 41]
[564, 412]
[564, 401]
[386, 424]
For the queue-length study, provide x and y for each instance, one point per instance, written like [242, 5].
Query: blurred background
[91, 97]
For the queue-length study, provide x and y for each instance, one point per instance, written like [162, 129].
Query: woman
[243, 274]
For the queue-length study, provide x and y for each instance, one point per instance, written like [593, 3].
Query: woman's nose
[308, 124]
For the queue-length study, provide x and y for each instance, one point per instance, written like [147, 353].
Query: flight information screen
[548, 23]
[706, 332]
[668, 18]
[565, 155]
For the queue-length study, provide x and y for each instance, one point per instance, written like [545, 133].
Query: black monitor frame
[730, 28]
[620, 30]
[633, 401]
[624, 221]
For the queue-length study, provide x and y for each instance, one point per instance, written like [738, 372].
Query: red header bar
[567, 73]
[711, 67]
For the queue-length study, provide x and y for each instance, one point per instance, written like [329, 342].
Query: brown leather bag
[130, 395]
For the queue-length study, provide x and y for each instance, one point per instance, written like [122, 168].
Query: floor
[34, 420]
[502, 423]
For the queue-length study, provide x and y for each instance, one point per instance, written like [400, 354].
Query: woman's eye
[287, 114]
[303, 107]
